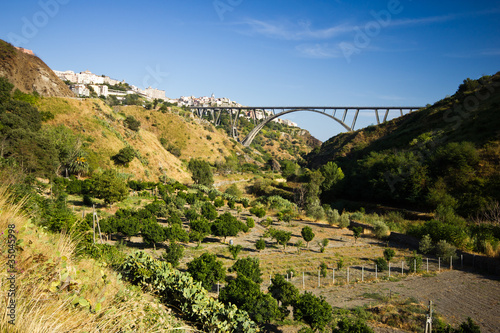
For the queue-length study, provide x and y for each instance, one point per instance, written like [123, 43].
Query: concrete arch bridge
[263, 115]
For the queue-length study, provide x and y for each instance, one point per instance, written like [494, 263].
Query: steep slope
[29, 73]
[443, 154]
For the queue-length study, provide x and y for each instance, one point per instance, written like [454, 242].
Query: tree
[208, 211]
[425, 245]
[176, 233]
[226, 225]
[109, 187]
[207, 269]
[281, 236]
[132, 123]
[356, 232]
[314, 311]
[235, 250]
[174, 253]
[308, 234]
[130, 227]
[201, 172]
[313, 190]
[246, 295]
[5, 89]
[332, 174]
[283, 291]
[152, 232]
[201, 227]
[468, 326]
[248, 267]
[260, 244]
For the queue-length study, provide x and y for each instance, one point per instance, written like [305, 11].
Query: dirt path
[456, 295]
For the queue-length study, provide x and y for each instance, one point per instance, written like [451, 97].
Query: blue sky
[270, 53]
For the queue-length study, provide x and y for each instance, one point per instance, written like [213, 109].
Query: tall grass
[57, 292]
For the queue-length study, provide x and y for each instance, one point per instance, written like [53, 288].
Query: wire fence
[332, 276]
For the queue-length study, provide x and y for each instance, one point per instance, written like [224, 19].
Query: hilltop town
[83, 83]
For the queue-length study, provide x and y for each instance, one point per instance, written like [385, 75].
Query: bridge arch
[253, 133]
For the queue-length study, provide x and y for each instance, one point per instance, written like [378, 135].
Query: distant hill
[449, 151]
[29, 73]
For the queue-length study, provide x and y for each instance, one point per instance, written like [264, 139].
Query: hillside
[29, 73]
[446, 152]
[104, 133]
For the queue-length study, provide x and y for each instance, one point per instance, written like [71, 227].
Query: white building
[101, 90]
[67, 76]
[80, 90]
[154, 93]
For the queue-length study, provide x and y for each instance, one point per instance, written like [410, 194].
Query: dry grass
[55, 292]
[91, 118]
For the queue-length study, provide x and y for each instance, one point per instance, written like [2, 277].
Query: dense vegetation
[437, 170]
[443, 155]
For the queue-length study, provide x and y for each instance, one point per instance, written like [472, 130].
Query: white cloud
[319, 51]
[298, 31]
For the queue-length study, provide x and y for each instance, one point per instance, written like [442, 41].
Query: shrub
[260, 244]
[235, 250]
[347, 325]
[344, 221]
[323, 269]
[414, 262]
[233, 190]
[250, 223]
[218, 202]
[124, 156]
[381, 229]
[132, 123]
[381, 264]
[332, 216]
[258, 211]
[446, 251]
[174, 253]
[389, 254]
